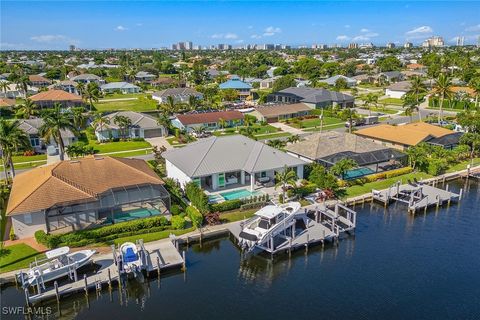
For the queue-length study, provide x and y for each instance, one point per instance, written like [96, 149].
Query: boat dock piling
[417, 196]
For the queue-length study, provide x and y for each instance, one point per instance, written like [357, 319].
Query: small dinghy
[58, 263]
[131, 260]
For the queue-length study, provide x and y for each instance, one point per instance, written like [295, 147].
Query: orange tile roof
[74, 181]
[414, 66]
[409, 134]
[467, 90]
[55, 95]
[4, 102]
[37, 78]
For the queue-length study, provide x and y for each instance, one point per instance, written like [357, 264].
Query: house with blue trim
[241, 87]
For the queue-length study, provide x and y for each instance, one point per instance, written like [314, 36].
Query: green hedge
[198, 198]
[226, 205]
[194, 215]
[178, 222]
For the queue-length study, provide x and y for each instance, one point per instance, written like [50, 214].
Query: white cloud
[239, 41]
[271, 31]
[420, 30]
[120, 28]
[250, 27]
[49, 38]
[229, 36]
[364, 30]
[473, 28]
[255, 36]
[361, 38]
[343, 38]
[346, 26]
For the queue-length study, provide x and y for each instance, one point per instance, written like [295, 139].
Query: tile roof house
[38, 81]
[313, 97]
[278, 112]
[179, 95]
[327, 148]
[207, 120]
[142, 126]
[123, 87]
[32, 126]
[403, 136]
[230, 161]
[7, 103]
[73, 195]
[47, 99]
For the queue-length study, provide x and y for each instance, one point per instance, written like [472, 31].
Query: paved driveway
[159, 141]
[286, 128]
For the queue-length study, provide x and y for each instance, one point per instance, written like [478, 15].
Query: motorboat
[57, 263]
[131, 258]
[267, 223]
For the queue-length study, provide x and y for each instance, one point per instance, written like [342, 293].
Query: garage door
[151, 133]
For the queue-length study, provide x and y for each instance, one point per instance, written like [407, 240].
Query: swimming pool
[239, 194]
[135, 214]
[356, 173]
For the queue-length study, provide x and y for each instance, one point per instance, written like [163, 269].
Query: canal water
[395, 267]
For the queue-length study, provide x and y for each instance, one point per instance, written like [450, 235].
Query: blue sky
[152, 24]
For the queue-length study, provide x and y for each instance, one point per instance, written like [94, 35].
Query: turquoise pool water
[359, 172]
[135, 214]
[239, 194]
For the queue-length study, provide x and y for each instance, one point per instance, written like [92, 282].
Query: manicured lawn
[326, 128]
[231, 216]
[463, 165]
[148, 237]
[17, 256]
[174, 141]
[273, 135]
[138, 105]
[384, 110]
[394, 101]
[121, 96]
[119, 146]
[383, 184]
[17, 159]
[315, 122]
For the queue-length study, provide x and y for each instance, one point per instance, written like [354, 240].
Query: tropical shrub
[175, 209]
[195, 216]
[178, 222]
[226, 205]
[198, 198]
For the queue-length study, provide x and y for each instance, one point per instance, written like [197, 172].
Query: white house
[32, 126]
[398, 89]
[142, 126]
[123, 87]
[179, 95]
[219, 163]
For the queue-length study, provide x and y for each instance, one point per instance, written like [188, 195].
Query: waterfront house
[145, 77]
[327, 148]
[122, 87]
[14, 91]
[279, 112]
[219, 163]
[142, 126]
[242, 88]
[87, 78]
[179, 95]
[402, 137]
[208, 120]
[32, 126]
[313, 97]
[66, 85]
[47, 99]
[76, 194]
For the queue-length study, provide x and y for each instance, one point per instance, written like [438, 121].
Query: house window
[27, 218]
[263, 174]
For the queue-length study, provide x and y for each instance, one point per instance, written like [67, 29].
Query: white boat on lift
[131, 258]
[58, 263]
[267, 223]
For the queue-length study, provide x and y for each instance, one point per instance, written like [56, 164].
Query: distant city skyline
[155, 24]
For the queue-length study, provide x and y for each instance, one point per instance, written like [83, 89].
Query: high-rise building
[353, 45]
[478, 42]
[367, 45]
[390, 45]
[433, 42]
[188, 45]
[408, 45]
[72, 47]
[460, 41]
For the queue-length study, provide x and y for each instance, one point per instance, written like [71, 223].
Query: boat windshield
[129, 255]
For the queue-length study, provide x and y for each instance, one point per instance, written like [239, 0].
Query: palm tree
[410, 105]
[192, 102]
[222, 123]
[417, 92]
[171, 105]
[284, 178]
[349, 114]
[81, 88]
[99, 121]
[79, 120]
[12, 138]
[442, 89]
[123, 123]
[92, 93]
[164, 120]
[54, 122]
[276, 143]
[475, 86]
[342, 166]
[472, 140]
[294, 138]
[4, 86]
[235, 123]
[27, 109]
[371, 99]
[22, 83]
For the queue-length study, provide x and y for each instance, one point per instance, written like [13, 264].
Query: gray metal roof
[32, 126]
[139, 120]
[230, 153]
[316, 95]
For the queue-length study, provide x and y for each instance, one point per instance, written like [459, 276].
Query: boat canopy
[55, 253]
[269, 212]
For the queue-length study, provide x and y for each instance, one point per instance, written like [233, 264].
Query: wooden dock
[416, 196]
[160, 255]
